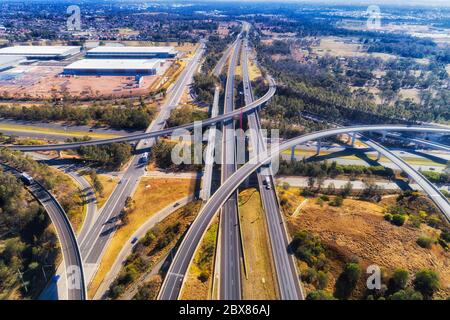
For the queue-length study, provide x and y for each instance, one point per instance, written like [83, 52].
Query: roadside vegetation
[184, 115]
[28, 243]
[62, 187]
[199, 278]
[110, 156]
[162, 156]
[332, 169]
[126, 116]
[150, 250]
[258, 282]
[151, 196]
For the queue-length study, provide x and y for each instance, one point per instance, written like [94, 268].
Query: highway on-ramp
[71, 254]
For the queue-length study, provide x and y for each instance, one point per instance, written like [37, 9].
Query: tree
[398, 280]
[398, 219]
[337, 202]
[311, 183]
[347, 280]
[426, 282]
[347, 189]
[97, 184]
[322, 279]
[425, 242]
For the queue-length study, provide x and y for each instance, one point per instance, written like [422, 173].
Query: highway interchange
[94, 242]
[286, 272]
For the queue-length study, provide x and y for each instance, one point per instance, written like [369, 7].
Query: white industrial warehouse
[41, 52]
[8, 62]
[114, 67]
[114, 52]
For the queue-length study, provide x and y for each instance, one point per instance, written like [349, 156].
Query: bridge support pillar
[353, 139]
[319, 145]
[293, 154]
[383, 133]
[378, 156]
[59, 154]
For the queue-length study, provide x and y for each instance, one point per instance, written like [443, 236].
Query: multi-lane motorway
[229, 244]
[97, 238]
[286, 272]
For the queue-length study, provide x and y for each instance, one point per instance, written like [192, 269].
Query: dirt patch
[358, 229]
[151, 196]
[43, 82]
[260, 282]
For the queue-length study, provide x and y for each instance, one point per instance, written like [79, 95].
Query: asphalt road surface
[69, 246]
[95, 242]
[286, 272]
[229, 245]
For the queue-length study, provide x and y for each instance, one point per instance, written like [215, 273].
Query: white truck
[267, 183]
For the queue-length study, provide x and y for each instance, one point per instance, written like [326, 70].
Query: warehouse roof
[39, 50]
[114, 64]
[133, 50]
[10, 61]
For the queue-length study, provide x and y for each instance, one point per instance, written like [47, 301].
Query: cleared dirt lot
[45, 82]
[358, 229]
[346, 47]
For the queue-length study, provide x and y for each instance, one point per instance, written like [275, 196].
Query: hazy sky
[368, 2]
[365, 2]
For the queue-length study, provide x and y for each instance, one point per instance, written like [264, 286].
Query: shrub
[407, 294]
[309, 276]
[425, 242]
[319, 295]
[308, 248]
[388, 217]
[427, 283]
[203, 276]
[398, 281]
[398, 219]
[337, 202]
[445, 235]
[322, 280]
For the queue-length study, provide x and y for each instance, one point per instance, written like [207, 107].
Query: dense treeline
[162, 156]
[60, 185]
[27, 245]
[323, 85]
[123, 117]
[203, 86]
[111, 156]
[332, 170]
[205, 82]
